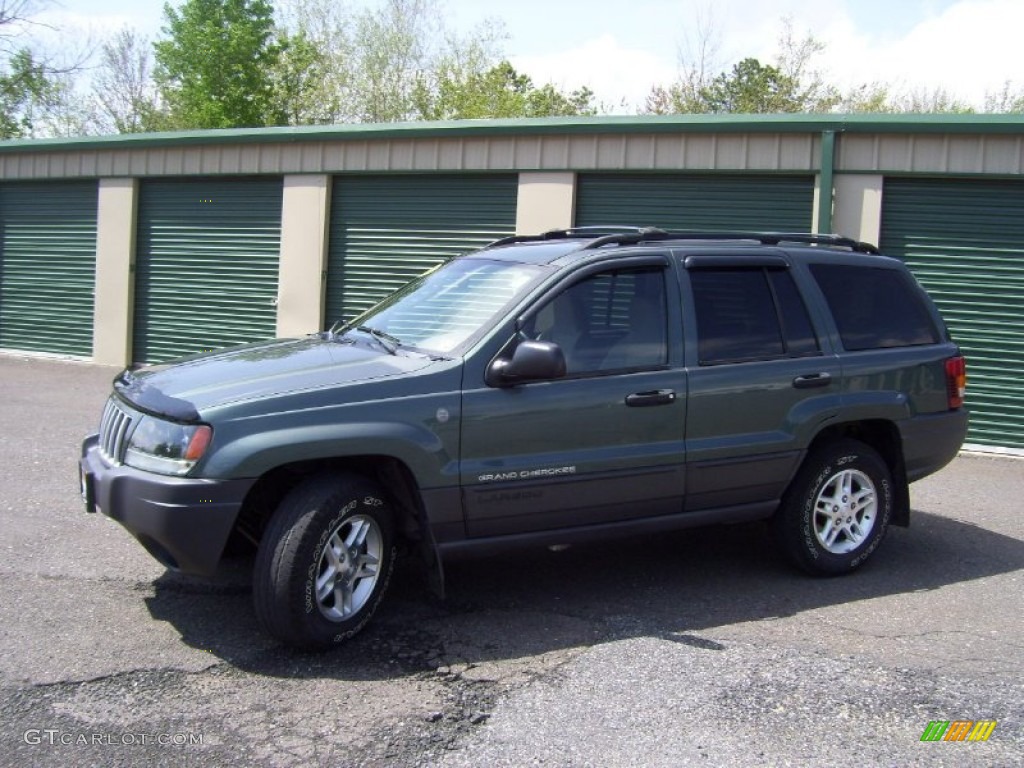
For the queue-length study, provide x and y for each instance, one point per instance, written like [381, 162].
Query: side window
[875, 308]
[608, 321]
[746, 314]
[797, 331]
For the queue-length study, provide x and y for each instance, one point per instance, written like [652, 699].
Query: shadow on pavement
[529, 602]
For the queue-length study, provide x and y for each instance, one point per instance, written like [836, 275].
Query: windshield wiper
[386, 340]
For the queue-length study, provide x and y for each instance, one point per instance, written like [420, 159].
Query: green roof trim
[645, 124]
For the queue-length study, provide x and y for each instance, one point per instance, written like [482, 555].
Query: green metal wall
[964, 240]
[206, 265]
[386, 230]
[696, 202]
[47, 266]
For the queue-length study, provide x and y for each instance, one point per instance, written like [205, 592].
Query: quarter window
[875, 308]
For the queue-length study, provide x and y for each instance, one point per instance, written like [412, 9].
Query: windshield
[445, 307]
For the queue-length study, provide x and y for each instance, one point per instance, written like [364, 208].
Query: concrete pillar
[302, 277]
[546, 201]
[115, 271]
[858, 206]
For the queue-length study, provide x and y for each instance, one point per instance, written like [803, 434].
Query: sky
[620, 49]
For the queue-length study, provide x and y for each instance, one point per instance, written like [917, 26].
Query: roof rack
[603, 230]
[599, 236]
[765, 238]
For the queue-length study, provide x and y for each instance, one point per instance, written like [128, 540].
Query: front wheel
[837, 510]
[324, 562]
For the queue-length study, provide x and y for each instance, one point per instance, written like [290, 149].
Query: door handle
[656, 397]
[812, 380]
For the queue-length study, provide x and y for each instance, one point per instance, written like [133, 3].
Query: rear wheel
[837, 510]
[324, 562]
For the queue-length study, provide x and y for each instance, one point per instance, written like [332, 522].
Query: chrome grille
[113, 430]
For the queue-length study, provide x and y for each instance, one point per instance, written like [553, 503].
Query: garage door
[708, 202]
[386, 230]
[207, 265]
[47, 266]
[964, 240]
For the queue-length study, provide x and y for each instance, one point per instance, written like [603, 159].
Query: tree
[297, 81]
[750, 87]
[804, 87]
[1006, 100]
[25, 78]
[866, 98]
[391, 49]
[214, 68]
[24, 89]
[697, 64]
[123, 84]
[499, 92]
[320, 32]
[400, 62]
[791, 85]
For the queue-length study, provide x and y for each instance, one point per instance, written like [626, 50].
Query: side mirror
[531, 361]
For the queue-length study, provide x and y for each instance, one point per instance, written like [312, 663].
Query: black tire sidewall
[296, 541]
[797, 517]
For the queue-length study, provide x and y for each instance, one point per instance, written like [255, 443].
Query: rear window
[876, 308]
[749, 313]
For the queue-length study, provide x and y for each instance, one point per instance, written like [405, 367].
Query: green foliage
[234, 63]
[399, 62]
[792, 85]
[24, 89]
[214, 68]
[297, 80]
[750, 87]
[499, 92]
[390, 46]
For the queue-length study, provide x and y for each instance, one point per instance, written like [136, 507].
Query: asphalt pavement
[697, 648]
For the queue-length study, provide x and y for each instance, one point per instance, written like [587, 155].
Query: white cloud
[614, 72]
[969, 49]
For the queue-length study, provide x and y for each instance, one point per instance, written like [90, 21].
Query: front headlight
[165, 447]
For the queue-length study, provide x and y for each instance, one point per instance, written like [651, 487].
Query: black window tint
[736, 317]
[875, 308]
[607, 299]
[796, 323]
[608, 321]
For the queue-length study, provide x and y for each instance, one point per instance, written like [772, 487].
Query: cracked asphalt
[694, 648]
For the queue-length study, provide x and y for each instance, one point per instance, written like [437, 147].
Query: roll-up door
[47, 266]
[964, 241]
[207, 265]
[386, 230]
[696, 202]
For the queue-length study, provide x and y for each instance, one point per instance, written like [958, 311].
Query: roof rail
[598, 236]
[602, 230]
[765, 238]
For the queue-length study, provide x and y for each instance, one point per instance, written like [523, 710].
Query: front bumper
[183, 522]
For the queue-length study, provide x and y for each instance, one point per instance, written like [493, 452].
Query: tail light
[956, 380]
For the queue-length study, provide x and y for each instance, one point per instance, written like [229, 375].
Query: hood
[183, 389]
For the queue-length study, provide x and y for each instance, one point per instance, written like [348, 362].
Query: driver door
[602, 444]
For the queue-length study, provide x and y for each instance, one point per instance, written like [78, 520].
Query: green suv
[542, 390]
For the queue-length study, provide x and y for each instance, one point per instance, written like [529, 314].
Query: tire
[837, 509]
[324, 562]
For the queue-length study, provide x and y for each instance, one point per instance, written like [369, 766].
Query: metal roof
[644, 124]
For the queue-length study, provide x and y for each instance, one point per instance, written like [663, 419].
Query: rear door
[760, 382]
[603, 444]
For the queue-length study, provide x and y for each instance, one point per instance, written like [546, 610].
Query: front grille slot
[113, 431]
